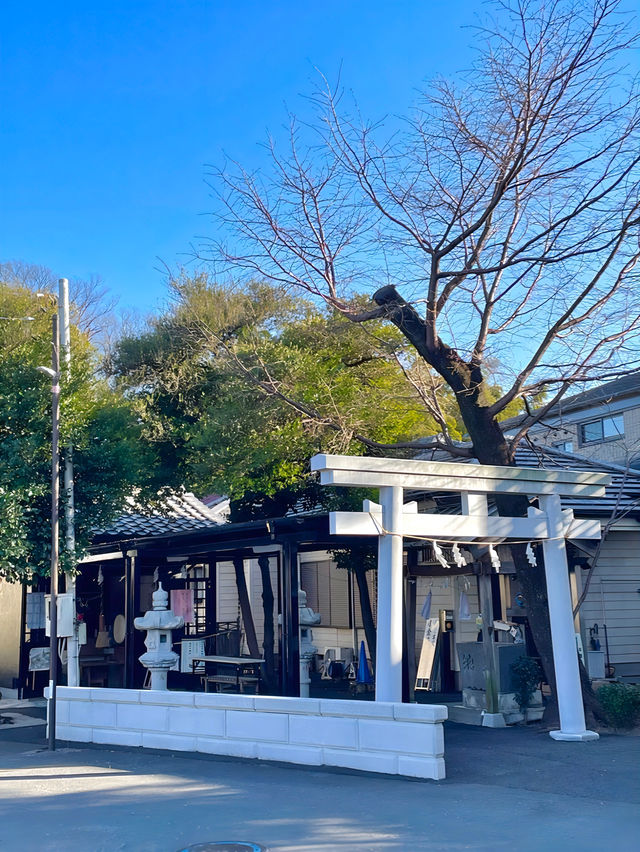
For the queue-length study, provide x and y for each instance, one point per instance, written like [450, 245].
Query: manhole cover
[225, 846]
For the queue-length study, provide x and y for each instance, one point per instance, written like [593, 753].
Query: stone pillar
[390, 585]
[307, 649]
[565, 654]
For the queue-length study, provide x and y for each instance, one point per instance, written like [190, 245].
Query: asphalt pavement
[506, 789]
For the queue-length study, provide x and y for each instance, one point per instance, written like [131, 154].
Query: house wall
[445, 594]
[613, 599]
[621, 451]
[227, 594]
[10, 620]
[330, 591]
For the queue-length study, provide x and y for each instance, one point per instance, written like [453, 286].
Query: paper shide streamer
[439, 555]
[459, 559]
[495, 559]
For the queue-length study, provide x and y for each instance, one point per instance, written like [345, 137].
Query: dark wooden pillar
[267, 607]
[211, 597]
[290, 652]
[245, 607]
[131, 605]
[409, 664]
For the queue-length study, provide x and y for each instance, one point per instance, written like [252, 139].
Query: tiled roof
[600, 395]
[179, 512]
[549, 458]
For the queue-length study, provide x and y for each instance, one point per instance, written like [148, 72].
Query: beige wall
[10, 616]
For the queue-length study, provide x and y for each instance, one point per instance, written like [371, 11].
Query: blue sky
[110, 111]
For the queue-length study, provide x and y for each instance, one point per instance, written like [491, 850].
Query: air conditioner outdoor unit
[346, 655]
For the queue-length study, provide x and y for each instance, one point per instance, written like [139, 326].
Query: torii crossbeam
[391, 520]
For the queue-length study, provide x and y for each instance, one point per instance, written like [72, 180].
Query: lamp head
[47, 371]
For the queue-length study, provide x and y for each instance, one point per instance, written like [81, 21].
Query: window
[565, 446]
[603, 429]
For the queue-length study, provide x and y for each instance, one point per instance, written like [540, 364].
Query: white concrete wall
[395, 739]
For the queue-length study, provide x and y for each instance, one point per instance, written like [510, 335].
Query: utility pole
[73, 647]
[54, 373]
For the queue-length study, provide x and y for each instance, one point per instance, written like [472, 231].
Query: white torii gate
[390, 520]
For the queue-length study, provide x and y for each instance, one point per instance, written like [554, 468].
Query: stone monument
[159, 622]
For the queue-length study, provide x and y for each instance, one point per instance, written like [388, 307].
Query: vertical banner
[425, 676]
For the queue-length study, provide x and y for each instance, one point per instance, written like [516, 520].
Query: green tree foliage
[238, 387]
[108, 456]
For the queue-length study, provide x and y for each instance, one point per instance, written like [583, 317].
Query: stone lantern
[306, 617]
[159, 622]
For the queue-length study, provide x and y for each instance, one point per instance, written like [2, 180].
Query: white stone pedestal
[493, 720]
[583, 737]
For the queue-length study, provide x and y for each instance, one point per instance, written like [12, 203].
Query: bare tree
[499, 220]
[92, 305]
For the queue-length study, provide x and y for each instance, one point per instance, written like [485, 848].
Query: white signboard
[428, 654]
[190, 648]
[39, 659]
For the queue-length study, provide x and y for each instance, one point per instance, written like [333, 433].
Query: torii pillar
[391, 520]
[390, 587]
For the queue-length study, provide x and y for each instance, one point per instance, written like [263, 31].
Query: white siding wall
[227, 595]
[445, 594]
[254, 586]
[226, 592]
[613, 598]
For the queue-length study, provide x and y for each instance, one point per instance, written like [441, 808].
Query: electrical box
[446, 620]
[65, 615]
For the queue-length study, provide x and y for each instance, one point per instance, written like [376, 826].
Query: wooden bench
[246, 674]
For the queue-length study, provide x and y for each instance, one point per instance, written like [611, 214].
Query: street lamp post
[73, 646]
[54, 373]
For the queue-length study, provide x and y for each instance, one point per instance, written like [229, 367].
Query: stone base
[476, 699]
[493, 720]
[583, 737]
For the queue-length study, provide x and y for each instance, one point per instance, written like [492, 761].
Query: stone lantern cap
[159, 618]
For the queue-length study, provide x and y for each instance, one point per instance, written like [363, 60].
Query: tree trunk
[245, 608]
[366, 611]
[489, 447]
[267, 605]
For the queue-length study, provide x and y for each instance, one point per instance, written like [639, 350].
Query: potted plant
[525, 678]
